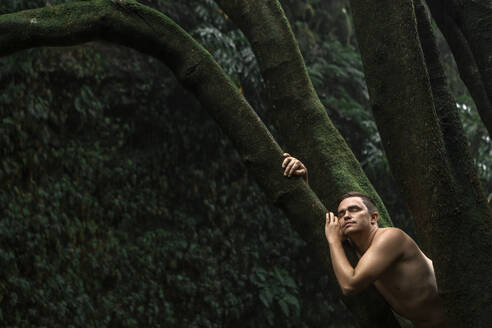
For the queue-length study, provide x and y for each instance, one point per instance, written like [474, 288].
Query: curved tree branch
[128, 23]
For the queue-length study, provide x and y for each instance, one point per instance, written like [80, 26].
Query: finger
[299, 171]
[288, 169]
[330, 215]
[286, 161]
[288, 165]
[286, 154]
[293, 168]
[327, 218]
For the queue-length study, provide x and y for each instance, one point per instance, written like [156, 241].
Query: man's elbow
[353, 288]
[349, 290]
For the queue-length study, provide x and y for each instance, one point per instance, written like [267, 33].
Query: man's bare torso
[409, 285]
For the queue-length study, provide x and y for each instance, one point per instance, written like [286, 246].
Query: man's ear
[375, 217]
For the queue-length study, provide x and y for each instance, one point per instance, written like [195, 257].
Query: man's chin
[349, 231]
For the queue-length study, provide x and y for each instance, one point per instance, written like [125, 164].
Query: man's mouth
[348, 224]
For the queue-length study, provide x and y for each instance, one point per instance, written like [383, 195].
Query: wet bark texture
[423, 147]
[473, 77]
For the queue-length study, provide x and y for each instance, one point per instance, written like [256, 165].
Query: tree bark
[454, 137]
[465, 60]
[467, 185]
[474, 18]
[297, 112]
[403, 106]
[131, 24]
[304, 125]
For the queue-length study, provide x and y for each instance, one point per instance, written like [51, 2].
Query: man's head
[371, 207]
[357, 212]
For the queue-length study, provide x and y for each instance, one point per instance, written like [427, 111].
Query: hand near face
[333, 229]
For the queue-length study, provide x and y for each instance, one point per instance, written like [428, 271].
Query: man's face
[354, 216]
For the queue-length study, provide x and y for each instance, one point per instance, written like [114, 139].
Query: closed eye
[354, 208]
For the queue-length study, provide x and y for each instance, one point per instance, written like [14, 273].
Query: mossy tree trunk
[423, 145]
[304, 125]
[297, 112]
[455, 142]
[467, 28]
[131, 24]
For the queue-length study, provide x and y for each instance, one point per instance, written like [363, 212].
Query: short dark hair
[371, 207]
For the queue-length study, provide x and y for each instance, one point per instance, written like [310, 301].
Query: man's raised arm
[383, 251]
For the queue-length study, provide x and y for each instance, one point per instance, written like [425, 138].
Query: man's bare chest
[406, 287]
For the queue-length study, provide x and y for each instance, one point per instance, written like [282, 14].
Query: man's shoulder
[392, 231]
[390, 237]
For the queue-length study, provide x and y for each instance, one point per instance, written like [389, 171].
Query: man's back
[409, 283]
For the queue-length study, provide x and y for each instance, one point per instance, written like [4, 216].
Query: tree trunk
[297, 112]
[457, 150]
[450, 226]
[131, 24]
[467, 186]
[305, 127]
[465, 60]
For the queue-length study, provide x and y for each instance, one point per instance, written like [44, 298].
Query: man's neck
[363, 239]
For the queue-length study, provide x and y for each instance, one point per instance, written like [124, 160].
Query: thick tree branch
[298, 114]
[465, 60]
[304, 125]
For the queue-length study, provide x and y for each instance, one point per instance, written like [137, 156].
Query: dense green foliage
[121, 210]
[123, 204]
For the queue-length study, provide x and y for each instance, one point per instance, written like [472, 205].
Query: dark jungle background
[122, 204]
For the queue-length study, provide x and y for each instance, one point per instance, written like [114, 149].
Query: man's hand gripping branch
[293, 166]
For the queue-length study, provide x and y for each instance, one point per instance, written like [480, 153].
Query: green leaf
[266, 296]
[264, 300]
[292, 300]
[284, 307]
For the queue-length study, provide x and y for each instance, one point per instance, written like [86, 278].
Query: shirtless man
[388, 257]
